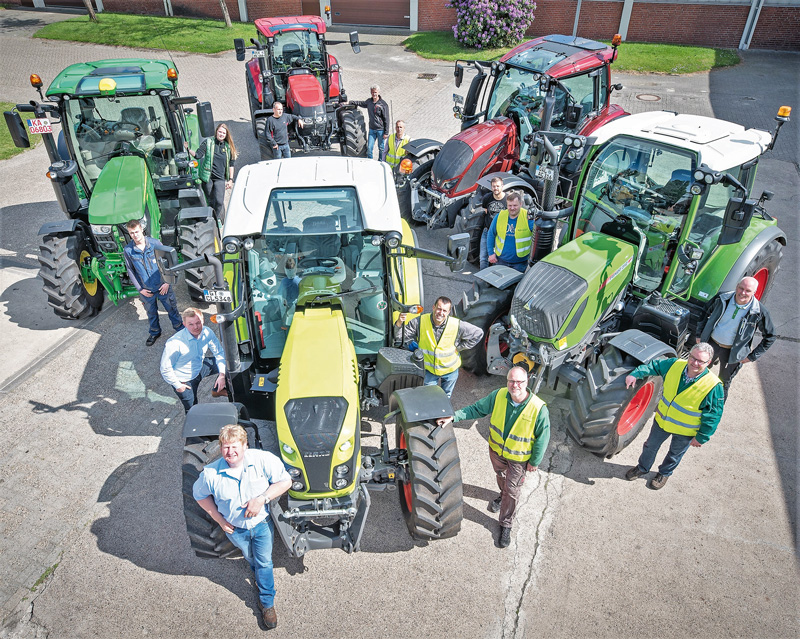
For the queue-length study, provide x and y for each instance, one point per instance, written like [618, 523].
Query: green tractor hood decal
[122, 191]
[553, 303]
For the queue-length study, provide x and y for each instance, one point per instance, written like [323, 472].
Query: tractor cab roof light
[172, 74]
[616, 40]
[36, 81]
[783, 113]
[406, 166]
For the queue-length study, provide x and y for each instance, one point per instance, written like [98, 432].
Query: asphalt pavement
[92, 539]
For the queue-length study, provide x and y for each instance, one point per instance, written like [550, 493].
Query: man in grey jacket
[731, 327]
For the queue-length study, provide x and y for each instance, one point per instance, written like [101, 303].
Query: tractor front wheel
[487, 305]
[604, 415]
[198, 237]
[354, 134]
[421, 172]
[72, 291]
[264, 148]
[432, 494]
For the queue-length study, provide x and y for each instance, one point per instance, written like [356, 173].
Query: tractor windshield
[639, 191]
[98, 127]
[314, 251]
[296, 49]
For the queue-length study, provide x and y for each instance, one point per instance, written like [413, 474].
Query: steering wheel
[92, 134]
[125, 126]
[324, 262]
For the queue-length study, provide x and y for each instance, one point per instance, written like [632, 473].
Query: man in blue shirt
[184, 363]
[235, 490]
[140, 260]
[510, 235]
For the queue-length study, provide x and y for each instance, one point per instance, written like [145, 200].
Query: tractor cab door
[474, 109]
[578, 98]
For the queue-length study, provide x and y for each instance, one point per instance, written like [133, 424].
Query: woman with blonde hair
[216, 157]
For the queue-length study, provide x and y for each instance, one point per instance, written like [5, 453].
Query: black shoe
[494, 505]
[152, 339]
[633, 473]
[505, 537]
[657, 483]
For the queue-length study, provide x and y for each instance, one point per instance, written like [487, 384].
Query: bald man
[731, 327]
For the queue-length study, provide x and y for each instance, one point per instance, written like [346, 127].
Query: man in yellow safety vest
[396, 148]
[440, 337]
[519, 432]
[689, 410]
[510, 235]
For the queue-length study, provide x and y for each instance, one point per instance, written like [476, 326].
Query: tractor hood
[304, 91]
[562, 297]
[120, 192]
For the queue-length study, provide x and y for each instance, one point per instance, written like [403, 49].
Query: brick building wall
[777, 28]
[711, 25]
[553, 16]
[434, 15]
[598, 20]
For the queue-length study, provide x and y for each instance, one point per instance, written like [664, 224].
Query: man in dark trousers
[277, 131]
[731, 327]
[378, 121]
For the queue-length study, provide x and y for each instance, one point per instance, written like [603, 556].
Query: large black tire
[252, 101]
[67, 293]
[354, 134]
[605, 416]
[198, 237]
[472, 223]
[263, 146]
[421, 171]
[487, 305]
[432, 498]
[765, 266]
[207, 538]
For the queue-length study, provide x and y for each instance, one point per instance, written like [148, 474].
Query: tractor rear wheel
[421, 172]
[207, 538]
[432, 496]
[354, 134]
[72, 291]
[604, 415]
[487, 305]
[198, 237]
[765, 266]
[263, 146]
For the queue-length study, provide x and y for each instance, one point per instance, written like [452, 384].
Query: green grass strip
[7, 148]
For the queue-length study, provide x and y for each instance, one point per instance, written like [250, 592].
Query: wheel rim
[504, 348]
[89, 282]
[406, 484]
[762, 277]
[635, 409]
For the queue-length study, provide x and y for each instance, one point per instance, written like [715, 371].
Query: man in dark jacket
[277, 131]
[731, 327]
[378, 121]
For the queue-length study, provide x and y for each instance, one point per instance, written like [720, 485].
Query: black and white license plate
[544, 172]
[217, 297]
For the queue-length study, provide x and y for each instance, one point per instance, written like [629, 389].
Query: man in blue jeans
[378, 112]
[277, 131]
[184, 363]
[511, 234]
[235, 490]
[140, 260]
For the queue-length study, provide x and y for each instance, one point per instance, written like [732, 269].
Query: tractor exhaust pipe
[545, 232]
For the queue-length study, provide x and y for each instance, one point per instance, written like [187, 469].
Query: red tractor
[290, 64]
[555, 82]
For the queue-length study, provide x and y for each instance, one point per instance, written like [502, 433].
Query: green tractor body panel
[317, 403]
[123, 192]
[132, 75]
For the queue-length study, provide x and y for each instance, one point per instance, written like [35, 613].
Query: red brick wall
[598, 21]
[554, 16]
[433, 15]
[710, 25]
[274, 8]
[777, 28]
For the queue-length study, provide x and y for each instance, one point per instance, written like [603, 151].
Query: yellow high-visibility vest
[680, 413]
[519, 443]
[522, 233]
[395, 152]
[441, 358]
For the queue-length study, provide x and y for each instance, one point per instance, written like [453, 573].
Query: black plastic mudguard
[419, 147]
[641, 346]
[196, 213]
[205, 420]
[421, 404]
[61, 226]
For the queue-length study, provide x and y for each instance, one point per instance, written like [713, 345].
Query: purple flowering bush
[487, 24]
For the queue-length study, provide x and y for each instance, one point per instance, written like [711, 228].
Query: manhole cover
[427, 76]
[648, 97]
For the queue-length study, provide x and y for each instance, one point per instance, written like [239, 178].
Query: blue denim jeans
[256, 546]
[283, 151]
[484, 255]
[677, 447]
[189, 396]
[169, 303]
[518, 266]
[376, 136]
[447, 382]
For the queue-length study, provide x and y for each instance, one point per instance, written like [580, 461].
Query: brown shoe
[633, 473]
[269, 616]
[657, 483]
[494, 505]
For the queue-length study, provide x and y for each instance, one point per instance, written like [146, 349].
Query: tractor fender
[641, 346]
[421, 404]
[62, 226]
[759, 241]
[196, 213]
[418, 148]
[501, 277]
[262, 113]
[204, 420]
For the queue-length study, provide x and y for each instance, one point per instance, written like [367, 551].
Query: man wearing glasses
[518, 436]
[689, 410]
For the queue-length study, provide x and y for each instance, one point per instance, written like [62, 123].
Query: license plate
[544, 172]
[258, 53]
[218, 296]
[39, 125]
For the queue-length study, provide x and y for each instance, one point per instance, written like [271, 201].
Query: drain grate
[427, 76]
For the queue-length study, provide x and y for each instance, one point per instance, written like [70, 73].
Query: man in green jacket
[518, 436]
[689, 410]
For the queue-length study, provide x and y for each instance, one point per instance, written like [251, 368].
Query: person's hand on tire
[630, 381]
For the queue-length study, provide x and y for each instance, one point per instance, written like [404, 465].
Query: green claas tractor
[316, 265]
[121, 155]
[661, 222]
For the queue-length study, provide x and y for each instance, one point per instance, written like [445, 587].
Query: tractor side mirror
[17, 130]
[354, 42]
[737, 218]
[457, 248]
[573, 115]
[458, 73]
[238, 44]
[205, 118]
[166, 261]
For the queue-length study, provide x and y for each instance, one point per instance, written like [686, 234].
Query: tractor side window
[581, 93]
[516, 92]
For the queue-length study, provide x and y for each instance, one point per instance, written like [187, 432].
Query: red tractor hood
[304, 90]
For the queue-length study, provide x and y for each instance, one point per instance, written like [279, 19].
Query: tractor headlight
[345, 446]
[308, 120]
[294, 473]
[231, 244]
[248, 244]
[342, 470]
[320, 119]
[340, 483]
[297, 486]
[449, 184]
[101, 229]
[288, 449]
[393, 239]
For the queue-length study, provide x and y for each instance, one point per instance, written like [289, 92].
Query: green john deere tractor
[661, 222]
[312, 285]
[121, 155]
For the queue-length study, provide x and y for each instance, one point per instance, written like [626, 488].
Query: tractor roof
[559, 55]
[272, 26]
[372, 180]
[132, 75]
[719, 144]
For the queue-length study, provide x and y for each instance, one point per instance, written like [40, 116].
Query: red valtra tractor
[290, 63]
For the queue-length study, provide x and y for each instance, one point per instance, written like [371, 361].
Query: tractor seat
[291, 52]
[137, 116]
[320, 238]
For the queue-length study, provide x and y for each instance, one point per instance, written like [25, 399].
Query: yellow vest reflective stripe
[441, 358]
[522, 233]
[394, 155]
[680, 413]
[519, 443]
